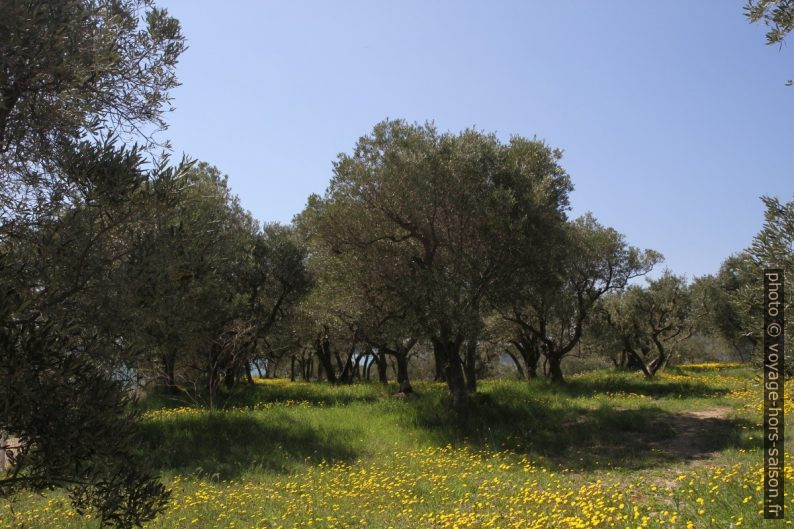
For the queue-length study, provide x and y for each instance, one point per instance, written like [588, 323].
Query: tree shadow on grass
[250, 396]
[587, 387]
[229, 444]
[319, 393]
[580, 439]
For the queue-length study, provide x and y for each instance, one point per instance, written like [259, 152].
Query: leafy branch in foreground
[65, 423]
[777, 15]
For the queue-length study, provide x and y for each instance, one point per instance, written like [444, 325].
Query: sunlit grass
[594, 453]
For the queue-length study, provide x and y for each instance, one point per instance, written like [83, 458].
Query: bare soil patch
[695, 434]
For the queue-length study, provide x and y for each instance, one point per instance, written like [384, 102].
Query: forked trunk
[402, 372]
[635, 361]
[449, 352]
[555, 369]
[325, 365]
[347, 371]
[530, 353]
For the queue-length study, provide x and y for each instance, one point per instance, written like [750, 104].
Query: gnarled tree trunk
[448, 349]
[325, 365]
[380, 360]
[555, 368]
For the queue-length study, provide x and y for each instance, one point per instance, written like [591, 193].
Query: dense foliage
[431, 255]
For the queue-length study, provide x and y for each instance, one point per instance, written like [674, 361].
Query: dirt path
[696, 433]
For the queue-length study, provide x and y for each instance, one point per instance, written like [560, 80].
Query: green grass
[605, 450]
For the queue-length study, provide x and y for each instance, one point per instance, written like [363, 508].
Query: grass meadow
[606, 449]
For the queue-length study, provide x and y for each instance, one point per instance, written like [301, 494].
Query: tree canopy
[431, 218]
[72, 69]
[75, 78]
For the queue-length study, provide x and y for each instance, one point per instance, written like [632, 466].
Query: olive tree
[82, 433]
[434, 215]
[74, 67]
[58, 368]
[553, 301]
[771, 247]
[205, 286]
[71, 73]
[649, 324]
[351, 290]
[722, 318]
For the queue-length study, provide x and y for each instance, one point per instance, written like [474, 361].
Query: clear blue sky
[673, 115]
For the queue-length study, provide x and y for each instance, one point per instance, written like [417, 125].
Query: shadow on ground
[227, 445]
[247, 395]
[581, 438]
[556, 423]
[315, 393]
[578, 387]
